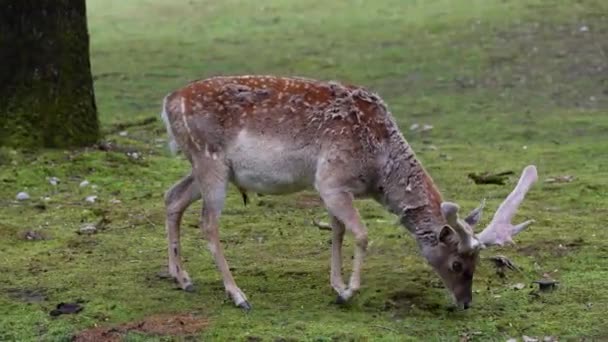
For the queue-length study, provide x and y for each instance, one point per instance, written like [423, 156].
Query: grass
[504, 83]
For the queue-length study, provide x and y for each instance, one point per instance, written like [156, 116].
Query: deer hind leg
[213, 181]
[340, 204]
[177, 200]
[337, 239]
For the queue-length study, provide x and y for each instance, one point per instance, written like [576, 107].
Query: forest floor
[503, 83]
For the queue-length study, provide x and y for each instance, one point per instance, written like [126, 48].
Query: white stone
[88, 228]
[519, 286]
[23, 196]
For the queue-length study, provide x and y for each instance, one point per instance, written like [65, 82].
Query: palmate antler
[500, 230]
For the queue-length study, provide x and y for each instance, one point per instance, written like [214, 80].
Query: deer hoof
[245, 306]
[341, 300]
[190, 288]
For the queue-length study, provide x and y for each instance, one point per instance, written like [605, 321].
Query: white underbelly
[269, 166]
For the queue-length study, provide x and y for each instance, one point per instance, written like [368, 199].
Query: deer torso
[275, 132]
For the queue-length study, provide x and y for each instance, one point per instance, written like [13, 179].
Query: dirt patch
[405, 301]
[27, 295]
[33, 235]
[165, 324]
[556, 248]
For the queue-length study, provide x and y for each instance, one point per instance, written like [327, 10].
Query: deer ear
[474, 216]
[446, 235]
[450, 212]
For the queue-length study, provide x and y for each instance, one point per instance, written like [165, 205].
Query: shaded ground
[502, 83]
[179, 325]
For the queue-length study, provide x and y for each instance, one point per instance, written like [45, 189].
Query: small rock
[584, 28]
[133, 155]
[88, 228]
[529, 339]
[54, 181]
[525, 147]
[91, 199]
[66, 308]
[123, 133]
[84, 183]
[414, 127]
[518, 286]
[22, 196]
[512, 340]
[32, 235]
[115, 201]
[549, 339]
[426, 127]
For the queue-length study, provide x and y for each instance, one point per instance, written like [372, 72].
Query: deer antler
[500, 230]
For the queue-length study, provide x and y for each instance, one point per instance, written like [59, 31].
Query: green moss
[433, 63]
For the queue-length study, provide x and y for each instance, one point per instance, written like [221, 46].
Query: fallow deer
[278, 135]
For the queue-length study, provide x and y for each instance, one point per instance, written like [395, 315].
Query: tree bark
[46, 87]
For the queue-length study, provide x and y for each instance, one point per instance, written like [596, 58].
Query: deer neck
[409, 192]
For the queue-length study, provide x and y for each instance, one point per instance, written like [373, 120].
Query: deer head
[455, 255]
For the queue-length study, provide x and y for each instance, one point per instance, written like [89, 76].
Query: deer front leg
[337, 239]
[177, 200]
[340, 205]
[214, 195]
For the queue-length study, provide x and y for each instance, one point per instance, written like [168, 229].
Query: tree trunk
[46, 88]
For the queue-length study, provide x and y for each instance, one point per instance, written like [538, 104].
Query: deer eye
[457, 266]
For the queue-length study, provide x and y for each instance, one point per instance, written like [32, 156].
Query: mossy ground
[504, 83]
